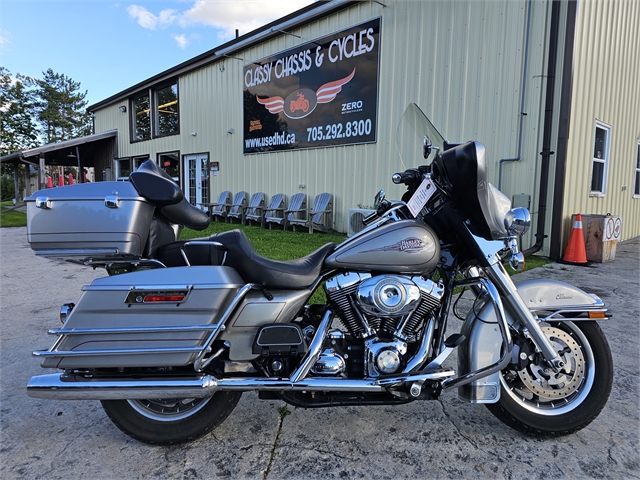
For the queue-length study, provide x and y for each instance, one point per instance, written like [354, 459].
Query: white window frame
[604, 159]
[118, 176]
[636, 176]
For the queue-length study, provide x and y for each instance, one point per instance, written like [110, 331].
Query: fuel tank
[407, 246]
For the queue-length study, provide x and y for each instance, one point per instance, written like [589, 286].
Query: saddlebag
[148, 318]
[102, 220]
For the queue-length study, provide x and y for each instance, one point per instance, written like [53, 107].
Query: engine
[384, 317]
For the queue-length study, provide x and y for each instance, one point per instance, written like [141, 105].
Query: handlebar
[407, 177]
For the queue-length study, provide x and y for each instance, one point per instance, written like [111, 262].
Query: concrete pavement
[439, 439]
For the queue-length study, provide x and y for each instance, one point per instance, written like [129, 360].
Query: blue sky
[109, 46]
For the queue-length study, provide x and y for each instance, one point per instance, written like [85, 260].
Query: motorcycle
[170, 339]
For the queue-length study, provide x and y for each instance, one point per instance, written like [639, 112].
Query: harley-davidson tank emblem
[302, 102]
[408, 245]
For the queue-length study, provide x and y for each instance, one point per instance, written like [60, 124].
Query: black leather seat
[252, 267]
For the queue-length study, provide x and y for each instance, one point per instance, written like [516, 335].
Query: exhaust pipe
[75, 387]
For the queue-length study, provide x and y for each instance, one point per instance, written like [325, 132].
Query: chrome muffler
[75, 387]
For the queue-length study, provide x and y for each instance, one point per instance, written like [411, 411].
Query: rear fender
[551, 300]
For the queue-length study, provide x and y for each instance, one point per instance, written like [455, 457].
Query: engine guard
[550, 300]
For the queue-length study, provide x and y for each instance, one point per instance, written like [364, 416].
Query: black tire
[171, 421]
[568, 401]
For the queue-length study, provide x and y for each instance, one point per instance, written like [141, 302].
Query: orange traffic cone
[49, 182]
[61, 180]
[70, 179]
[576, 251]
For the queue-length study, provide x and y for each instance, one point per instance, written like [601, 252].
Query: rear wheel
[538, 401]
[169, 421]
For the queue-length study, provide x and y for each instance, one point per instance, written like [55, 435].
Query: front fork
[514, 303]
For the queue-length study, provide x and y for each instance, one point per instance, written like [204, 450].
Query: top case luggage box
[102, 220]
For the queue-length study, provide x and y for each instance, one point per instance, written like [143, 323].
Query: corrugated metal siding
[462, 62]
[605, 87]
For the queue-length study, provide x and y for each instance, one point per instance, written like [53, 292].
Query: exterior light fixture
[123, 108]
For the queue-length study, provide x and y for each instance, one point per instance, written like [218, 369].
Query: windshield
[412, 129]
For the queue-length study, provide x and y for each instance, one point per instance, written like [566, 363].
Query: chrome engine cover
[388, 296]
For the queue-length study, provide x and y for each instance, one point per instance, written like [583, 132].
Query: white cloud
[148, 20]
[5, 40]
[244, 15]
[181, 40]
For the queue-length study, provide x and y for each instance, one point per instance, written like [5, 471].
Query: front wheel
[167, 421]
[538, 401]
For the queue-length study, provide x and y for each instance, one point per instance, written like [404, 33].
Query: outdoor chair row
[258, 209]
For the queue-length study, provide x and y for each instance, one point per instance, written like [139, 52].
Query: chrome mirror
[379, 198]
[517, 221]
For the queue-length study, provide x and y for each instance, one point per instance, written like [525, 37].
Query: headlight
[517, 221]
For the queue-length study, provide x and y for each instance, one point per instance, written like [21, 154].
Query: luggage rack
[112, 265]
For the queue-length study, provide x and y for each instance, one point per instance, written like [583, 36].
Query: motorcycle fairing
[482, 345]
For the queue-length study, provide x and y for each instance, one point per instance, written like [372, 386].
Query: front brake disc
[543, 381]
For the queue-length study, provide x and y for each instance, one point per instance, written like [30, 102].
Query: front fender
[482, 345]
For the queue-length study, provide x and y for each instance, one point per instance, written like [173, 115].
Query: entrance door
[196, 190]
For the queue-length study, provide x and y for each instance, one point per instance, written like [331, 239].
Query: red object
[84, 177]
[70, 179]
[576, 251]
[49, 182]
[61, 180]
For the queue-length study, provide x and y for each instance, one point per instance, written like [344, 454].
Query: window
[163, 102]
[137, 161]
[600, 161]
[166, 100]
[123, 168]
[636, 190]
[170, 163]
[141, 118]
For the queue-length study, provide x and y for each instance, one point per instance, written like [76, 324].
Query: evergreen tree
[18, 129]
[61, 107]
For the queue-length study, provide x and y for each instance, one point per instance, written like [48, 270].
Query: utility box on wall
[601, 235]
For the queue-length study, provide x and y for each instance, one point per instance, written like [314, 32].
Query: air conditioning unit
[356, 220]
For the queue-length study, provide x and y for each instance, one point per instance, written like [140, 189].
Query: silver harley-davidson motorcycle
[170, 339]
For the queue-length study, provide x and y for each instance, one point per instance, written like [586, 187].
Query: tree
[18, 129]
[61, 107]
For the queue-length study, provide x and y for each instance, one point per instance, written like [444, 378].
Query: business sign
[320, 94]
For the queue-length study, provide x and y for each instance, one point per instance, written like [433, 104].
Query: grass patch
[532, 262]
[11, 218]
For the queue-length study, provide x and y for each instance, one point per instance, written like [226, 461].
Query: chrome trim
[522, 314]
[82, 331]
[494, 295]
[111, 201]
[87, 252]
[66, 387]
[115, 351]
[315, 349]
[43, 203]
[425, 349]
[202, 242]
[200, 362]
[76, 387]
[65, 311]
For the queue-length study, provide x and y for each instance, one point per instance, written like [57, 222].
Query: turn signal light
[599, 314]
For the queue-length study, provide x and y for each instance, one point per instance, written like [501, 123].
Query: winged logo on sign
[303, 101]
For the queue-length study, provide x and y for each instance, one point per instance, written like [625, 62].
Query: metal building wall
[606, 87]
[461, 61]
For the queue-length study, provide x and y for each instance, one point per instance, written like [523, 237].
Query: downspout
[522, 113]
[555, 246]
[548, 123]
